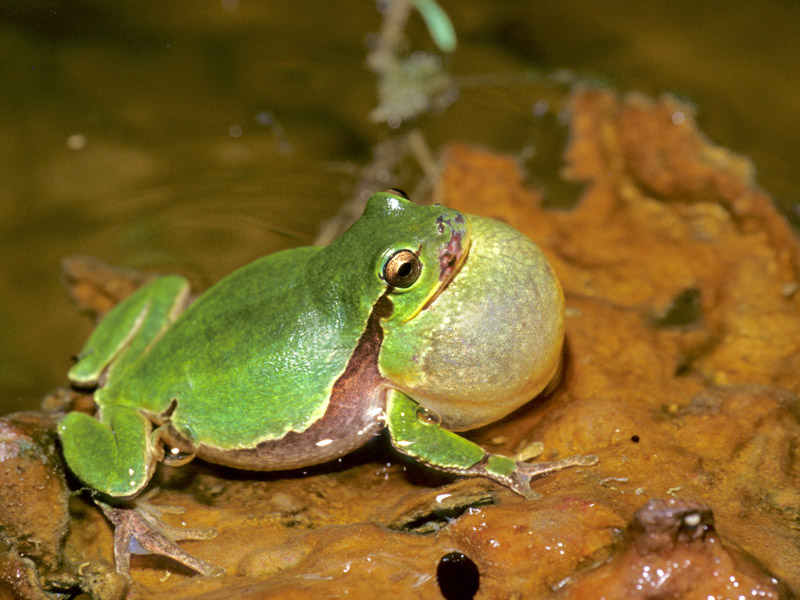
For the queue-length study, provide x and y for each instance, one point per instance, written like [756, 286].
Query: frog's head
[397, 250]
[474, 326]
[423, 248]
[477, 326]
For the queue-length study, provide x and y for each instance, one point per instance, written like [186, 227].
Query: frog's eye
[402, 269]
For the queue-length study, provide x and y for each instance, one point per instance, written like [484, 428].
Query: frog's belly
[350, 421]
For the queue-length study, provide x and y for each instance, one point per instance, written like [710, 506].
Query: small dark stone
[458, 576]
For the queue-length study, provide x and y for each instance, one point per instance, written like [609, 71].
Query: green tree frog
[418, 319]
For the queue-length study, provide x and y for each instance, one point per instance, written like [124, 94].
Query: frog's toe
[138, 532]
[526, 472]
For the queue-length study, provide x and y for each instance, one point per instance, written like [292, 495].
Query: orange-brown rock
[683, 323]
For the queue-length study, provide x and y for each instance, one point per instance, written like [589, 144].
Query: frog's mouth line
[451, 272]
[452, 256]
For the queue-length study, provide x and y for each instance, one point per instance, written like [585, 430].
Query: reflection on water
[164, 138]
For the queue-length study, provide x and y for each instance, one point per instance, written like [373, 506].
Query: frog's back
[252, 358]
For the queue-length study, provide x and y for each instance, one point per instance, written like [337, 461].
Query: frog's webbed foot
[447, 451]
[522, 475]
[517, 475]
[137, 530]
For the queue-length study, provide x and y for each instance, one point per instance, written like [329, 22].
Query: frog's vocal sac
[300, 356]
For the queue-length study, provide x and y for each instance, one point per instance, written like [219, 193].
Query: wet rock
[672, 551]
[706, 406]
[40, 556]
[683, 344]
[33, 489]
[96, 287]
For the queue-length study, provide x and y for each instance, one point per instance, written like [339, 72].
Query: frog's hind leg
[112, 454]
[115, 456]
[136, 526]
[129, 328]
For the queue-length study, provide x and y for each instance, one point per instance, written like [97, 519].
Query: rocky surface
[681, 284]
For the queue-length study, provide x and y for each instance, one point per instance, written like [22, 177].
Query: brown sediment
[683, 328]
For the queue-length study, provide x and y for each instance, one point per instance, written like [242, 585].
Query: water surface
[195, 137]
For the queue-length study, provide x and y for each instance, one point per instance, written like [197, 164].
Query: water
[193, 138]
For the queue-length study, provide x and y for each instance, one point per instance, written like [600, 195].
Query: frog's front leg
[447, 451]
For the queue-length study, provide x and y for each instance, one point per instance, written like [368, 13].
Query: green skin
[304, 355]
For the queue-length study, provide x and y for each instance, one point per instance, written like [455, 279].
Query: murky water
[171, 137]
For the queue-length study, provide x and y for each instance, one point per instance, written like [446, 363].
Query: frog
[418, 320]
